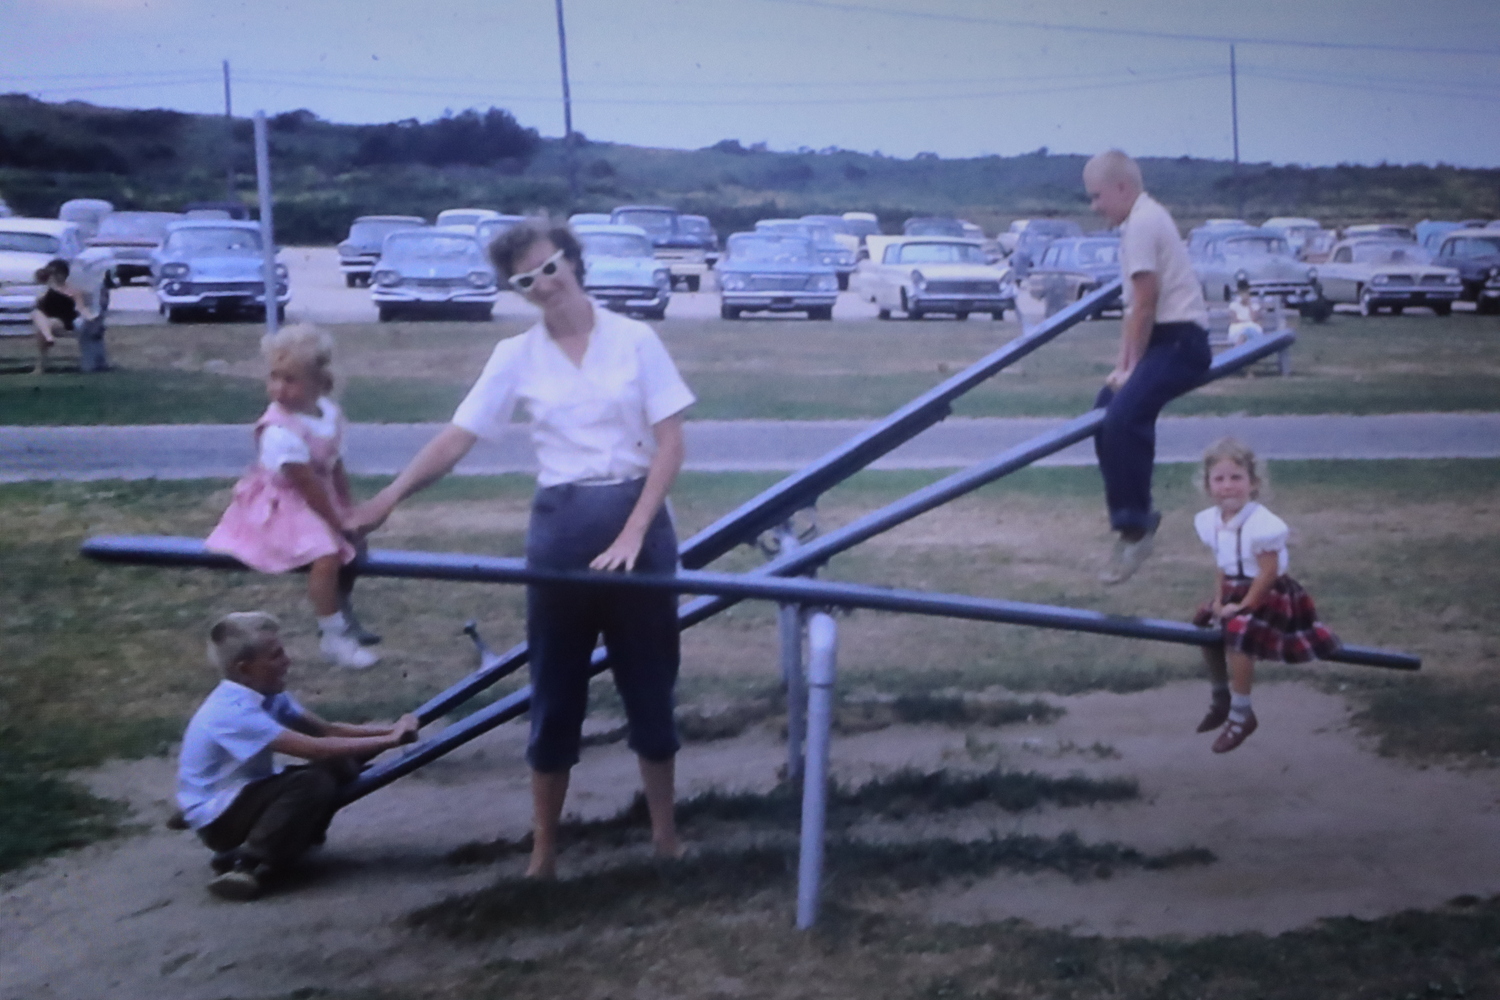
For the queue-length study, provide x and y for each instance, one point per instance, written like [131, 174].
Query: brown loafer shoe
[1235, 733]
[1218, 712]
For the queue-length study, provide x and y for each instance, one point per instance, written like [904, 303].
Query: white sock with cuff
[1239, 707]
[334, 624]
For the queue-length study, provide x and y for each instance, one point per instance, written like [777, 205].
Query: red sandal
[1218, 711]
[1235, 733]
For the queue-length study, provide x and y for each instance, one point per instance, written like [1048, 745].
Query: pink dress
[269, 526]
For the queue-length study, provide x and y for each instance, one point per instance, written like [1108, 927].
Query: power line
[1174, 36]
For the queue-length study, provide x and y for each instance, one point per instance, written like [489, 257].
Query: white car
[465, 216]
[622, 272]
[1388, 274]
[27, 244]
[922, 275]
[433, 271]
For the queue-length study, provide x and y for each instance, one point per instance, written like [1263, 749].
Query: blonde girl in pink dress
[291, 509]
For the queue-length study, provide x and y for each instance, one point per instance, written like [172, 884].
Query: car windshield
[1390, 253]
[941, 253]
[29, 243]
[487, 232]
[1476, 246]
[835, 223]
[820, 235]
[137, 225]
[698, 227]
[455, 249]
[934, 227]
[655, 223]
[376, 232]
[771, 249]
[207, 241]
[461, 218]
[615, 245]
[1099, 254]
[1255, 246]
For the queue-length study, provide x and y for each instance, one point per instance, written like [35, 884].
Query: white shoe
[343, 650]
[1128, 557]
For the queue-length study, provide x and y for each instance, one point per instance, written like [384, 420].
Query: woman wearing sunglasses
[606, 405]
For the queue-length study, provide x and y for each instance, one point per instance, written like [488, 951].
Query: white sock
[333, 624]
[1239, 706]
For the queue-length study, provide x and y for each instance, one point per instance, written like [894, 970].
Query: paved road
[223, 450]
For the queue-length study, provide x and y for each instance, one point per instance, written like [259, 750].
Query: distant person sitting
[255, 818]
[1244, 316]
[58, 308]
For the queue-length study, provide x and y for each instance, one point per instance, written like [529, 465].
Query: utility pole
[267, 229]
[562, 48]
[1234, 118]
[228, 138]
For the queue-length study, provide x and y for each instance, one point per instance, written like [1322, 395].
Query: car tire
[1367, 306]
[915, 314]
[729, 312]
[179, 314]
[961, 316]
[1397, 310]
[479, 313]
[883, 314]
[1442, 308]
[843, 282]
[655, 313]
[998, 315]
[820, 312]
[387, 313]
[692, 281]
[351, 281]
[1487, 307]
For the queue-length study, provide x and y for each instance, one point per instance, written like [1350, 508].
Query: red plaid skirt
[1284, 628]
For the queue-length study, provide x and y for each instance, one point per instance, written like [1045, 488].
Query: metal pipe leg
[789, 627]
[823, 639]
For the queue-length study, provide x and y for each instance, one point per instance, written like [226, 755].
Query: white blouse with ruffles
[1256, 529]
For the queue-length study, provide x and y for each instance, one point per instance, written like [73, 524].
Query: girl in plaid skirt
[1266, 615]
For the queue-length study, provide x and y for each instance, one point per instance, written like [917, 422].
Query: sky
[1319, 81]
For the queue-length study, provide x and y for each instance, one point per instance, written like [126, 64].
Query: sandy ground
[1306, 820]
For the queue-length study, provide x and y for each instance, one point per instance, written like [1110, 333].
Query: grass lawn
[107, 661]
[776, 369]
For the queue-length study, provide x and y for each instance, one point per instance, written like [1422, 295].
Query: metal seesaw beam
[800, 489]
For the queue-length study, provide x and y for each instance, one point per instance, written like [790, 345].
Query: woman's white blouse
[590, 422]
[278, 445]
[1257, 529]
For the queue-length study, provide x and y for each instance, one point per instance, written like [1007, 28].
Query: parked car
[589, 219]
[1080, 264]
[361, 248]
[863, 224]
[1475, 254]
[131, 237]
[1032, 237]
[1430, 233]
[1388, 274]
[701, 227]
[622, 272]
[27, 244]
[923, 275]
[1379, 231]
[844, 231]
[775, 272]
[217, 210]
[1230, 255]
[86, 212]
[213, 264]
[489, 230]
[684, 252]
[826, 246]
[1309, 240]
[928, 225]
[464, 216]
[433, 271]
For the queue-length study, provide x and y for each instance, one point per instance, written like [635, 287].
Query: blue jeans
[1175, 359]
[570, 525]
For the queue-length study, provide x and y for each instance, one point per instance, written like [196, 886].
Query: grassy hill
[325, 174]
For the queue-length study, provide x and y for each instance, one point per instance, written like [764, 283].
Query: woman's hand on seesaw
[621, 554]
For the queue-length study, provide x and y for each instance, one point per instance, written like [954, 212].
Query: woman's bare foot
[671, 850]
[543, 869]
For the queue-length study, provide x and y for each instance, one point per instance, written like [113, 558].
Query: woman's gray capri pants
[570, 525]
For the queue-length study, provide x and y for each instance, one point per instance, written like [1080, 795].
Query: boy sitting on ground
[255, 818]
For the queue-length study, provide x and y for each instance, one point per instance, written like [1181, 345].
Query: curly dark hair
[58, 267]
[511, 245]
